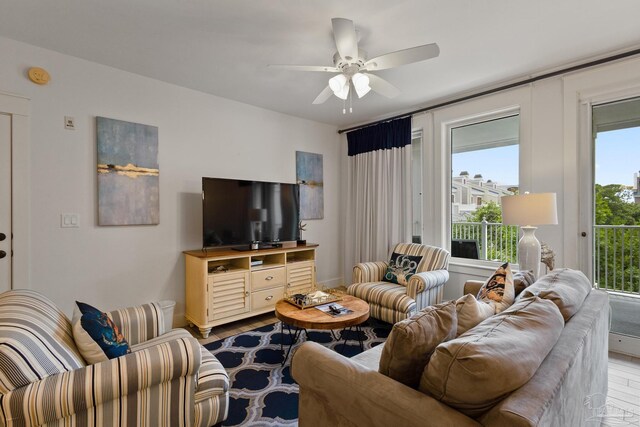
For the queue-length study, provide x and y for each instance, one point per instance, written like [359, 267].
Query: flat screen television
[237, 212]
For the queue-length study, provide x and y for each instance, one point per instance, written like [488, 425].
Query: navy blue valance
[383, 136]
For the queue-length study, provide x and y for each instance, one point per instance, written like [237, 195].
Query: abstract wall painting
[309, 177]
[128, 173]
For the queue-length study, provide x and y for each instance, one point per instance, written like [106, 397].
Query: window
[485, 167]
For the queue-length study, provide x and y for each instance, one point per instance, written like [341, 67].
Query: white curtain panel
[378, 205]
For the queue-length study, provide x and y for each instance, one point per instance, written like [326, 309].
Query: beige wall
[199, 135]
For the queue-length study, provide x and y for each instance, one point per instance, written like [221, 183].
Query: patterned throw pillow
[401, 268]
[96, 336]
[498, 291]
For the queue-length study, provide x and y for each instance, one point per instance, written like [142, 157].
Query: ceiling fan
[355, 70]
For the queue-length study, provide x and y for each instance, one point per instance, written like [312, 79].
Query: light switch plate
[69, 123]
[69, 220]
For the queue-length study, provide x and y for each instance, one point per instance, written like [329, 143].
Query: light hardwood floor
[231, 329]
[623, 399]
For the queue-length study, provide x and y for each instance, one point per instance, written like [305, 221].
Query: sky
[497, 164]
[617, 157]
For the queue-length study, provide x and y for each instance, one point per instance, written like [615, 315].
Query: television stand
[223, 286]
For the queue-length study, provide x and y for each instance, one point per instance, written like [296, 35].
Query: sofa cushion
[498, 290]
[412, 341]
[91, 324]
[470, 312]
[565, 287]
[35, 340]
[478, 369]
[370, 358]
[401, 267]
[384, 294]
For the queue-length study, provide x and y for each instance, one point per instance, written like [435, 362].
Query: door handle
[2, 236]
[3, 254]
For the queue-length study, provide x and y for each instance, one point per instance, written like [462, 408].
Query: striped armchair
[391, 302]
[168, 379]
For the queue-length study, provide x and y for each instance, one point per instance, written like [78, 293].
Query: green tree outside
[502, 240]
[617, 249]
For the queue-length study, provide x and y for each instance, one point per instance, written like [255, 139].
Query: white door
[5, 202]
[615, 215]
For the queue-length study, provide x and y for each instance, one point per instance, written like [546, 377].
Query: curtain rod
[501, 88]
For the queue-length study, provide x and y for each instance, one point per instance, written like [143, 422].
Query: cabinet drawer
[269, 278]
[266, 298]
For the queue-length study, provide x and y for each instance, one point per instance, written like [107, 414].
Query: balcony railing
[496, 241]
[616, 254]
[616, 250]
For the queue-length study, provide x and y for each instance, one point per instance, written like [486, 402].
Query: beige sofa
[568, 388]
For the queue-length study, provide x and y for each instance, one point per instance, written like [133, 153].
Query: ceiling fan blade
[344, 32]
[403, 57]
[383, 87]
[305, 68]
[324, 95]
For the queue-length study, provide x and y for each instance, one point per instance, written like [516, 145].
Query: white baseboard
[332, 283]
[624, 344]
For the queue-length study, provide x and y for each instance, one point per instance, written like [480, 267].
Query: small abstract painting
[128, 173]
[309, 177]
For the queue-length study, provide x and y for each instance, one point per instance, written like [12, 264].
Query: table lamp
[529, 210]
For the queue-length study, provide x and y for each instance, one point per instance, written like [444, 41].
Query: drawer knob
[269, 298]
[268, 278]
[246, 294]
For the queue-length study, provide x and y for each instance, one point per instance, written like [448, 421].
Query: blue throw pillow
[103, 331]
[401, 268]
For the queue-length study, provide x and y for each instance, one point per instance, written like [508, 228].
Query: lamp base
[529, 251]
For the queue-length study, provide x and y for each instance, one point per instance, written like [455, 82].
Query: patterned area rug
[263, 393]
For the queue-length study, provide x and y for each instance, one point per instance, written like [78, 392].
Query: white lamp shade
[337, 83]
[361, 84]
[529, 209]
[344, 92]
[340, 86]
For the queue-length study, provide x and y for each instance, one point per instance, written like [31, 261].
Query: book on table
[333, 309]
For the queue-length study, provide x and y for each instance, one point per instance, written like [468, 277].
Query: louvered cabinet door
[301, 276]
[228, 295]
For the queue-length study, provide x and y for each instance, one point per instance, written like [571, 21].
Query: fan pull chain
[350, 102]
[344, 106]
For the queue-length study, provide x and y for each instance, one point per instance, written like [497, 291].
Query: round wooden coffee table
[311, 318]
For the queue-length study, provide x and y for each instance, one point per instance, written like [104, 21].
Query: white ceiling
[223, 47]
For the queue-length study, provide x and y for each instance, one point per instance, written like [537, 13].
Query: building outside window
[485, 167]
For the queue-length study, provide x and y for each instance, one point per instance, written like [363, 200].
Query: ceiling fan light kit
[340, 86]
[351, 62]
[361, 84]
